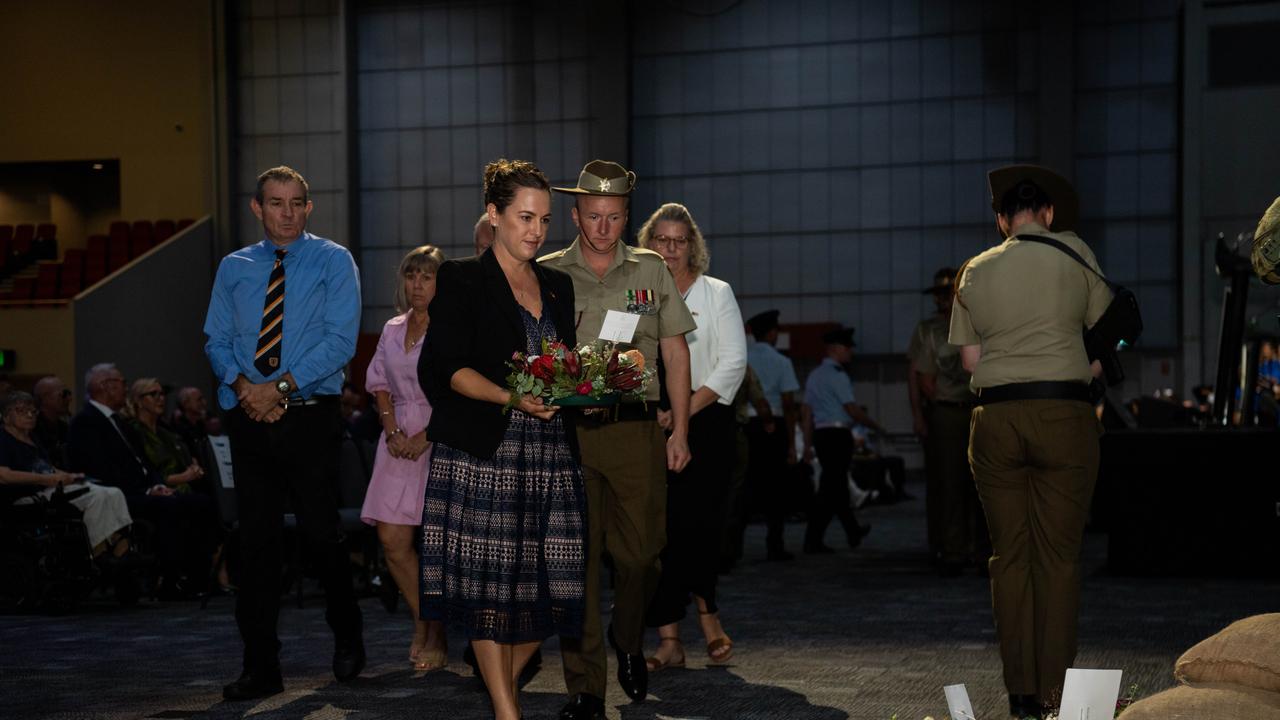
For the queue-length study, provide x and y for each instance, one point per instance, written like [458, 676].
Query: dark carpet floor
[865, 634]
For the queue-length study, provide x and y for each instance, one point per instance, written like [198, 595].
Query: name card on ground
[619, 326]
[1089, 694]
[958, 702]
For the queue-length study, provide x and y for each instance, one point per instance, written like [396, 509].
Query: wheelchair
[46, 563]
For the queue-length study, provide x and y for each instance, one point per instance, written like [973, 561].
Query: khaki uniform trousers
[624, 470]
[1035, 463]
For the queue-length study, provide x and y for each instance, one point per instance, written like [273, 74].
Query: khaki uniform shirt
[933, 355]
[1028, 304]
[637, 282]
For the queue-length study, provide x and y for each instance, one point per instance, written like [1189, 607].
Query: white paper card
[958, 704]
[1090, 694]
[619, 326]
[221, 445]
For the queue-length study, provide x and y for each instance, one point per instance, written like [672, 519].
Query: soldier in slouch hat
[1020, 309]
[624, 460]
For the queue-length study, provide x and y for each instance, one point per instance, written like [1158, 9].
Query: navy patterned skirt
[503, 548]
[504, 541]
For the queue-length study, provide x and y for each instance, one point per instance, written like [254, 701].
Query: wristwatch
[283, 387]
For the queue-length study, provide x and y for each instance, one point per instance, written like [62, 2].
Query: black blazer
[475, 323]
[96, 449]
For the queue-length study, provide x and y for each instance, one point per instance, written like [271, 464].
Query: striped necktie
[267, 358]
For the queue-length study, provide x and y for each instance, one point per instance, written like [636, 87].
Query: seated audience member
[53, 401]
[361, 424]
[105, 447]
[883, 475]
[191, 420]
[26, 472]
[163, 449]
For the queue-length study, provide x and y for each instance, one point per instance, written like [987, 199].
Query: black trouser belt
[313, 400]
[953, 403]
[1034, 391]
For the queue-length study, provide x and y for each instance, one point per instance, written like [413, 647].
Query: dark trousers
[960, 532]
[1035, 462]
[695, 517]
[296, 457]
[735, 501]
[769, 475]
[834, 447]
[186, 532]
[870, 473]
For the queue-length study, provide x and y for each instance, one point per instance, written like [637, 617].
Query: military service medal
[641, 301]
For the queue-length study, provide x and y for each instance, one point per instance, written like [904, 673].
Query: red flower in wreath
[543, 368]
[584, 388]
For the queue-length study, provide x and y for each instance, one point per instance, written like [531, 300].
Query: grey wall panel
[162, 299]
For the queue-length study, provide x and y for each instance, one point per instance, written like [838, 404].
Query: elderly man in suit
[105, 448]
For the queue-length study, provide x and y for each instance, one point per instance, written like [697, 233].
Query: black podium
[1190, 502]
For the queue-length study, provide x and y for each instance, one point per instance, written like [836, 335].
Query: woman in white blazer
[696, 497]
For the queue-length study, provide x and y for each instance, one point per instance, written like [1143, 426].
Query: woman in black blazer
[503, 524]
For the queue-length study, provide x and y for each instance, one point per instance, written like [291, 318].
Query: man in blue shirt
[773, 444]
[829, 414]
[282, 325]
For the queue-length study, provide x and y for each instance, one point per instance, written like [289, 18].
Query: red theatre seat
[74, 258]
[118, 245]
[72, 276]
[6, 234]
[142, 237]
[47, 281]
[93, 273]
[49, 231]
[24, 288]
[164, 230]
[97, 248]
[22, 237]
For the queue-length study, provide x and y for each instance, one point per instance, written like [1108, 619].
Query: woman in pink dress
[394, 500]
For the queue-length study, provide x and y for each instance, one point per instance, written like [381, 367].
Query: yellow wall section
[91, 79]
[42, 338]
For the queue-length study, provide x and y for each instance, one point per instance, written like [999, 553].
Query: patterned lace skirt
[503, 548]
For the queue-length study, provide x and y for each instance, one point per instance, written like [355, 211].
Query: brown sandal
[721, 645]
[654, 664]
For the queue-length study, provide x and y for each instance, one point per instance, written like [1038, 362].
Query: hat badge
[604, 185]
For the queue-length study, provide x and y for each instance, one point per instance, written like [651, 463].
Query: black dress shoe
[855, 537]
[583, 707]
[252, 686]
[633, 673]
[348, 659]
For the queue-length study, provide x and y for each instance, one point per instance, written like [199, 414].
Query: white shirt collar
[102, 408]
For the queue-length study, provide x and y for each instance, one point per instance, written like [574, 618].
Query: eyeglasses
[24, 410]
[680, 242]
[152, 393]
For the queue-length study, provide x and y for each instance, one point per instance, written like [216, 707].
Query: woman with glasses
[161, 447]
[696, 497]
[25, 472]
